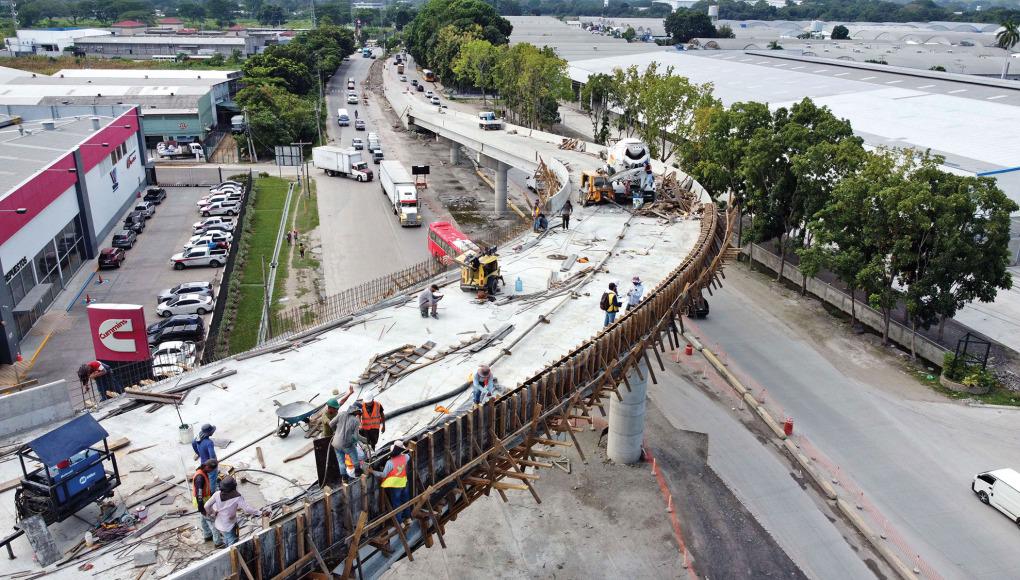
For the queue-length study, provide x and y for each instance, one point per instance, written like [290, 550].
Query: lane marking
[893, 82]
[957, 91]
[841, 74]
[997, 97]
[867, 78]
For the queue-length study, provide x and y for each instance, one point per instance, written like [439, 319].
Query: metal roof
[29, 148]
[163, 39]
[147, 74]
[571, 42]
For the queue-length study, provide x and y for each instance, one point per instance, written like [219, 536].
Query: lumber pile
[393, 362]
[572, 145]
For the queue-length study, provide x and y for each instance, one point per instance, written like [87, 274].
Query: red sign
[118, 332]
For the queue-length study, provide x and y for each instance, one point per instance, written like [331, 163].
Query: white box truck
[342, 162]
[399, 187]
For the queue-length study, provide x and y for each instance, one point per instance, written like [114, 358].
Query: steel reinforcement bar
[489, 447]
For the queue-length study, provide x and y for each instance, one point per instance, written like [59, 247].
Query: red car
[111, 258]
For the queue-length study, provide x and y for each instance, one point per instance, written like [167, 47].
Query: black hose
[427, 402]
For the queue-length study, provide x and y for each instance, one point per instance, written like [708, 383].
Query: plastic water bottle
[519, 285]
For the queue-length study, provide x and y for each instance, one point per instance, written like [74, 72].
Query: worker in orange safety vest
[201, 491]
[394, 475]
[373, 421]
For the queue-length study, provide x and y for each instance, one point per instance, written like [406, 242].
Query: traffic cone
[20, 358]
[100, 281]
[88, 299]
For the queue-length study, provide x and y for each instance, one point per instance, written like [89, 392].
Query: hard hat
[333, 403]
[228, 484]
[208, 429]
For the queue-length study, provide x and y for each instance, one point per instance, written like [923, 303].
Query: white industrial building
[73, 177]
[49, 41]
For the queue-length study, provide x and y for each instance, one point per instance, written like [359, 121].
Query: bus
[429, 75]
[447, 242]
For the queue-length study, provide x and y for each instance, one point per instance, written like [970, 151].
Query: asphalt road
[912, 452]
[144, 273]
[360, 236]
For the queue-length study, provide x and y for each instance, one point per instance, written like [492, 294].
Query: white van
[343, 118]
[1001, 490]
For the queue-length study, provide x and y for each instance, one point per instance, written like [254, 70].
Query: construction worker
[201, 491]
[429, 300]
[332, 408]
[541, 223]
[373, 421]
[223, 507]
[483, 384]
[92, 371]
[634, 294]
[610, 303]
[394, 482]
[353, 465]
[565, 211]
[346, 438]
[205, 448]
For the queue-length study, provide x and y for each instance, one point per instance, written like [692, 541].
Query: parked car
[357, 143]
[124, 239]
[111, 258]
[359, 125]
[209, 238]
[146, 208]
[403, 78]
[224, 228]
[186, 288]
[221, 208]
[172, 358]
[226, 223]
[135, 221]
[352, 98]
[227, 186]
[434, 100]
[211, 199]
[199, 256]
[155, 195]
[185, 304]
[189, 327]
[421, 88]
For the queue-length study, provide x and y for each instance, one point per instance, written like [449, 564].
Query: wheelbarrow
[298, 413]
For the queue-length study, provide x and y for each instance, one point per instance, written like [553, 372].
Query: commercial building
[48, 41]
[175, 105]
[144, 46]
[64, 183]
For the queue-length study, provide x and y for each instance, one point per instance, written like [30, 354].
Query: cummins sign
[118, 332]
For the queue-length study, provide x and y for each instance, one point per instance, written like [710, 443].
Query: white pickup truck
[199, 256]
[488, 120]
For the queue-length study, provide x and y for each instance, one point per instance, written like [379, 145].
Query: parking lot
[145, 272]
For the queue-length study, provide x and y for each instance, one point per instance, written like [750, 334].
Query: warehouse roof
[117, 73]
[28, 148]
[571, 42]
[958, 116]
[162, 39]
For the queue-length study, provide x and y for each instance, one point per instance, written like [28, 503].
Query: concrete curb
[880, 546]
[849, 511]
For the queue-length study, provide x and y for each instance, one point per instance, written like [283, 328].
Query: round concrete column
[501, 188]
[627, 419]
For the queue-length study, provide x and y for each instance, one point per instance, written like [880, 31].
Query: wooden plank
[318, 557]
[501, 485]
[258, 454]
[352, 551]
[299, 453]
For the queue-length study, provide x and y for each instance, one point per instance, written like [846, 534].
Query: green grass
[258, 241]
[306, 219]
[997, 396]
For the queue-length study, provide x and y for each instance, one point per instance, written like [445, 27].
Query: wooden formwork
[489, 447]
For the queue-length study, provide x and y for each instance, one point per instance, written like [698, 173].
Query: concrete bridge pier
[627, 419]
[454, 151]
[502, 190]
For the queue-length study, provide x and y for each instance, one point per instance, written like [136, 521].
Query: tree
[400, 15]
[629, 35]
[669, 107]
[277, 117]
[1006, 39]
[840, 32]
[596, 99]
[720, 155]
[774, 45]
[336, 12]
[475, 65]
[192, 12]
[938, 68]
[685, 24]
[790, 167]
[725, 31]
[447, 48]
[222, 11]
[422, 34]
[628, 87]
[530, 81]
[217, 60]
[271, 15]
[270, 69]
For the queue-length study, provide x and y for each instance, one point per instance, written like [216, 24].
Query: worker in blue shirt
[206, 450]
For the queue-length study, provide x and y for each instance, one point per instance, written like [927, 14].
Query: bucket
[185, 434]
[141, 512]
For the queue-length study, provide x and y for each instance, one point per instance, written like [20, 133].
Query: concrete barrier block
[34, 407]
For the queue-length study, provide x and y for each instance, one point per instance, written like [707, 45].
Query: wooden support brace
[352, 552]
[496, 484]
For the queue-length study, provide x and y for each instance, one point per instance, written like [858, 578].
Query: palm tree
[1006, 39]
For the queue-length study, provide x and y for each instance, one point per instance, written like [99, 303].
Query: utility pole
[313, 14]
[302, 144]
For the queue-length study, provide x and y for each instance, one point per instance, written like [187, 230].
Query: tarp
[68, 439]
